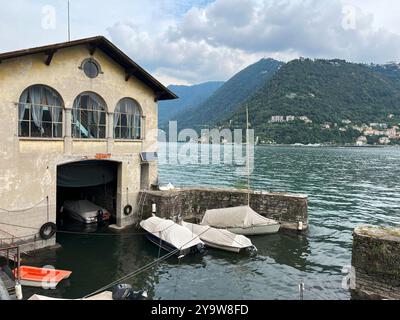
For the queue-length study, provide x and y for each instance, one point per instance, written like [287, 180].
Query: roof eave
[161, 92]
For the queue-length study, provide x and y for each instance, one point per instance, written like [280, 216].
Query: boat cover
[171, 232]
[84, 208]
[235, 217]
[219, 237]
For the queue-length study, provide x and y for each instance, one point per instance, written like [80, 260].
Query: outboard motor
[126, 292]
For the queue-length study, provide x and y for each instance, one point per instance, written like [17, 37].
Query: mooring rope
[140, 270]
[23, 210]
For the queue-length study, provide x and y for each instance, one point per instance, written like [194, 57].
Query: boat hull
[41, 277]
[256, 230]
[197, 249]
[225, 248]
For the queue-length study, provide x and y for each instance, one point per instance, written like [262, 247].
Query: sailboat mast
[247, 154]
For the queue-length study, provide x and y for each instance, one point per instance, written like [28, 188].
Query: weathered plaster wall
[288, 209]
[28, 166]
[376, 259]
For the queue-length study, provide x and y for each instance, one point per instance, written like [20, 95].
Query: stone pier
[288, 209]
[376, 260]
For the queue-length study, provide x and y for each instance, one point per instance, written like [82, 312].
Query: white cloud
[311, 28]
[215, 41]
[192, 61]
[198, 40]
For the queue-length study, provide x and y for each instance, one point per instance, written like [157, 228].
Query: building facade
[77, 120]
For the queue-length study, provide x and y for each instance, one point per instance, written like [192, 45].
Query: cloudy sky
[192, 41]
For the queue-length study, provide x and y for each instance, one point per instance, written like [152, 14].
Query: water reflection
[346, 187]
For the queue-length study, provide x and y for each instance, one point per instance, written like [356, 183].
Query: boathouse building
[78, 120]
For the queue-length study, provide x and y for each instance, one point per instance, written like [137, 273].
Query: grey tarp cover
[85, 174]
[171, 232]
[84, 208]
[219, 237]
[235, 217]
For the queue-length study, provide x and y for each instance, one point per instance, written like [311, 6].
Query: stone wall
[289, 209]
[376, 259]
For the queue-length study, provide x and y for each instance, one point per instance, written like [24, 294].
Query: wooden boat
[41, 277]
[240, 220]
[172, 237]
[221, 239]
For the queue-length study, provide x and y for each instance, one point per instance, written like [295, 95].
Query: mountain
[230, 95]
[189, 97]
[324, 91]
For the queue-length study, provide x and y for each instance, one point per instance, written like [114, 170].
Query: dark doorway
[92, 182]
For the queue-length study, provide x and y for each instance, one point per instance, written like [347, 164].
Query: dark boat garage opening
[92, 180]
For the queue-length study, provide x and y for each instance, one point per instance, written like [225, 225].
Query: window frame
[101, 128]
[30, 121]
[94, 61]
[133, 129]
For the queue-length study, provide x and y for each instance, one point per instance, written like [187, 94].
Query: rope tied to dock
[140, 270]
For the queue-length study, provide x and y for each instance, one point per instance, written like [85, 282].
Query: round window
[91, 69]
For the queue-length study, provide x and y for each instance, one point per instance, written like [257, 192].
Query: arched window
[40, 113]
[127, 120]
[89, 117]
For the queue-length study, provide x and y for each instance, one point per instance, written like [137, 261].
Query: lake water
[346, 187]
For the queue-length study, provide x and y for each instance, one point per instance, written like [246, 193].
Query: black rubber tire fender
[48, 230]
[128, 210]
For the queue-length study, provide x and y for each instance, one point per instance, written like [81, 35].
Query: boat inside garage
[87, 186]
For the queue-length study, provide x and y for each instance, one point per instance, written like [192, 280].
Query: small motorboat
[172, 237]
[106, 295]
[41, 277]
[221, 239]
[120, 292]
[240, 220]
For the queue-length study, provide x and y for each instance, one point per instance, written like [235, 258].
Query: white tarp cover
[219, 237]
[171, 232]
[235, 217]
[84, 208]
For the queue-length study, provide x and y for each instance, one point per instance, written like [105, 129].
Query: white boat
[171, 236]
[166, 187]
[106, 295]
[240, 220]
[221, 239]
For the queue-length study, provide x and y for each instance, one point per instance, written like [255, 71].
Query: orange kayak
[41, 277]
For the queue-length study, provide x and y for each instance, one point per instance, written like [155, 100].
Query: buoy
[18, 291]
[300, 226]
